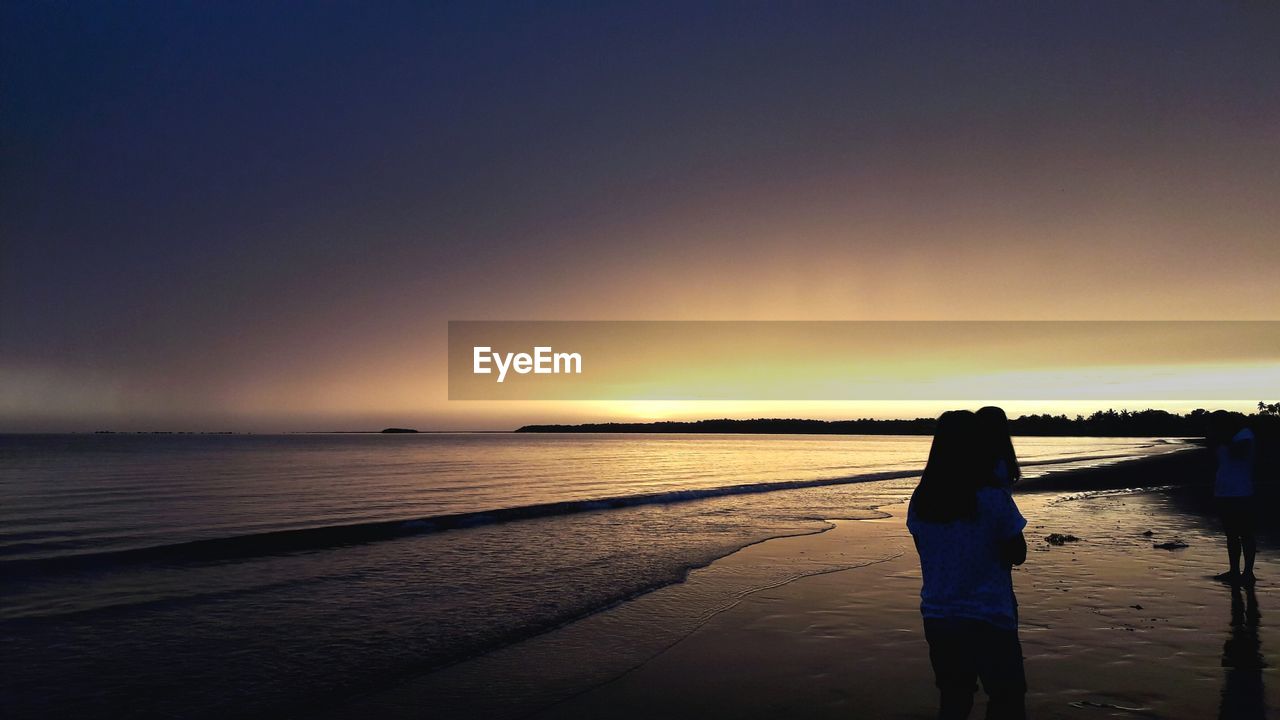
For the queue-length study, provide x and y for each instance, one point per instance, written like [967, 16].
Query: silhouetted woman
[998, 444]
[969, 535]
[1233, 493]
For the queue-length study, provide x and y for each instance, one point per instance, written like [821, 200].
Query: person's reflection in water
[1242, 695]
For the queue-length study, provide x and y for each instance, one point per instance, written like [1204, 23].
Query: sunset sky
[261, 216]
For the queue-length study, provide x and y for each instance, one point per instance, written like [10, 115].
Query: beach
[598, 575]
[1111, 625]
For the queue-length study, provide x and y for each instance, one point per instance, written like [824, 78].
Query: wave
[276, 542]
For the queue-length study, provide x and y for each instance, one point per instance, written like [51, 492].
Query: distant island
[398, 430]
[1104, 423]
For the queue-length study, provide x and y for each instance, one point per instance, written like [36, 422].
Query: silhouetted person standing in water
[1233, 494]
[969, 535]
[993, 425]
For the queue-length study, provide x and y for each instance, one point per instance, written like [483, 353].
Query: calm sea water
[206, 575]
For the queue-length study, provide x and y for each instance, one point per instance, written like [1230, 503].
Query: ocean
[271, 575]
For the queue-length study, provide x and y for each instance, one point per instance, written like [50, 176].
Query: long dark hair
[948, 488]
[1223, 426]
[997, 442]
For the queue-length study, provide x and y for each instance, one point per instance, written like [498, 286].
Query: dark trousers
[963, 651]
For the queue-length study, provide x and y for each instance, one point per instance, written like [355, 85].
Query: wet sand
[1110, 625]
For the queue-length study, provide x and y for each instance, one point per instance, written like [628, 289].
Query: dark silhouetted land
[1104, 423]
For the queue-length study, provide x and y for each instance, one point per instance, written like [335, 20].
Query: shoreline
[387, 612]
[318, 537]
[1188, 465]
[560, 674]
[1111, 626]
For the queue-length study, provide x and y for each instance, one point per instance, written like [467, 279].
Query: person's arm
[1013, 551]
[1011, 543]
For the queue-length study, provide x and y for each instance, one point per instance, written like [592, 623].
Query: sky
[262, 216]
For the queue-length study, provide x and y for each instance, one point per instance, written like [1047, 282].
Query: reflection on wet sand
[1242, 692]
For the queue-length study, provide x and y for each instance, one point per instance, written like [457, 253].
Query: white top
[1235, 466]
[964, 575]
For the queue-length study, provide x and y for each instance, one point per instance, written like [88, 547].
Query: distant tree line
[1103, 423]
